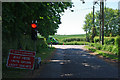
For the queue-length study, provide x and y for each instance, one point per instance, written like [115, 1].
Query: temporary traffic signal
[34, 31]
[33, 25]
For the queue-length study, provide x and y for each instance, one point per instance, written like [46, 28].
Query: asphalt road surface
[71, 61]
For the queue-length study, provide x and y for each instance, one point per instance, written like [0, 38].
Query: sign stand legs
[34, 61]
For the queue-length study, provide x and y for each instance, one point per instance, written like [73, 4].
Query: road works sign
[21, 59]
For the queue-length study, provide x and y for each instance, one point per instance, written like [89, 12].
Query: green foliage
[91, 49]
[117, 40]
[104, 47]
[98, 46]
[91, 38]
[74, 39]
[111, 48]
[117, 44]
[92, 44]
[93, 32]
[88, 23]
[109, 41]
[111, 22]
[108, 55]
[96, 40]
[17, 19]
[76, 43]
[115, 50]
[61, 38]
[25, 43]
[103, 53]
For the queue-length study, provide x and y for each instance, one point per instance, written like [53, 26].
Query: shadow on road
[77, 63]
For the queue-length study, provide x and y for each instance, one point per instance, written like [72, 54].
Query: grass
[60, 38]
[76, 43]
[103, 53]
[44, 53]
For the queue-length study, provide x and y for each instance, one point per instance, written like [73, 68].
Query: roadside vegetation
[42, 50]
[16, 29]
[109, 50]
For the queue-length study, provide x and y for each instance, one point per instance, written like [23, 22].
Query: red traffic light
[33, 25]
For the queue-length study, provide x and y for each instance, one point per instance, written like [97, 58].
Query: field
[61, 38]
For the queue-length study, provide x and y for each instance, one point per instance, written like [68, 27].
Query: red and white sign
[21, 59]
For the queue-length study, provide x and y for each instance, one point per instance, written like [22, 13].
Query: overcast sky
[72, 22]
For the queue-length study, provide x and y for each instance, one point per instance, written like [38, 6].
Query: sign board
[21, 59]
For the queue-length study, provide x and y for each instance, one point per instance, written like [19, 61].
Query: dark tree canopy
[18, 16]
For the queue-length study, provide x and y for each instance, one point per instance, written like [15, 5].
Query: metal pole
[102, 22]
[34, 61]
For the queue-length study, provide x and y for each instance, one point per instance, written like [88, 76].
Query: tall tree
[111, 22]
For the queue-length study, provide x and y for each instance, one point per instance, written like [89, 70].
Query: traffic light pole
[35, 45]
[34, 38]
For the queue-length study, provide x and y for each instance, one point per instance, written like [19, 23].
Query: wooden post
[102, 22]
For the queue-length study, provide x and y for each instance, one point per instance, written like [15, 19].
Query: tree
[17, 17]
[111, 22]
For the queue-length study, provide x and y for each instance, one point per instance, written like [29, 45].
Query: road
[71, 61]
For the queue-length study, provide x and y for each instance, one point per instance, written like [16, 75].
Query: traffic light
[34, 31]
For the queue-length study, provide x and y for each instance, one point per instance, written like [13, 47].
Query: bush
[115, 50]
[96, 40]
[76, 43]
[92, 44]
[98, 46]
[103, 54]
[104, 47]
[109, 41]
[74, 39]
[109, 48]
[90, 37]
[117, 40]
[91, 49]
[117, 44]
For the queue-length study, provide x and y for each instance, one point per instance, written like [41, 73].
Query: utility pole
[93, 14]
[93, 28]
[102, 22]
[86, 35]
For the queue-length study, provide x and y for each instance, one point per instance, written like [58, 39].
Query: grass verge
[105, 54]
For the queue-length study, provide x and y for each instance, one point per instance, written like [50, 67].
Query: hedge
[107, 40]
[74, 39]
